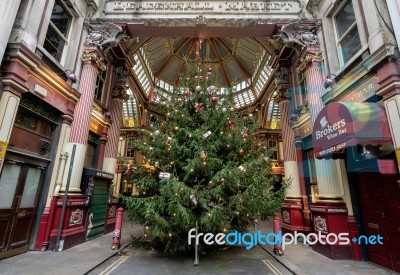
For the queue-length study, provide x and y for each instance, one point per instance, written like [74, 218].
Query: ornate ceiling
[240, 63]
[233, 60]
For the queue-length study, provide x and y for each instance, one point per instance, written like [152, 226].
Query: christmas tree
[202, 163]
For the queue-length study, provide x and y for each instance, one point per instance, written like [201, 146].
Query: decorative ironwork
[298, 35]
[105, 35]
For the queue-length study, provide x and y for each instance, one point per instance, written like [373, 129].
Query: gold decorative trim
[309, 58]
[94, 56]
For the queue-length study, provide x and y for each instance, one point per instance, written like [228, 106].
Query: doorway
[20, 185]
[380, 213]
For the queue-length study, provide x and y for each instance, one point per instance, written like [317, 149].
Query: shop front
[24, 175]
[359, 133]
[100, 207]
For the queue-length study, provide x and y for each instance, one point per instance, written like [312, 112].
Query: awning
[342, 124]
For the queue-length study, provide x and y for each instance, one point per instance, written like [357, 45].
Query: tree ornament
[168, 142]
[164, 176]
[186, 92]
[230, 124]
[209, 70]
[214, 99]
[244, 132]
[207, 134]
[232, 109]
[198, 88]
[224, 110]
[176, 128]
[203, 155]
[250, 115]
[199, 106]
[198, 79]
[156, 164]
[211, 89]
[242, 169]
[193, 201]
[156, 132]
[130, 169]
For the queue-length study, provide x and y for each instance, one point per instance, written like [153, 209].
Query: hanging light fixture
[330, 80]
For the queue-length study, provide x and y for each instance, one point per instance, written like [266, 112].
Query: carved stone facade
[212, 13]
[105, 35]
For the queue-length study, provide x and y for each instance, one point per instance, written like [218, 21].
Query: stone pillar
[60, 162]
[111, 151]
[92, 63]
[329, 188]
[290, 161]
[102, 147]
[8, 13]
[389, 82]
[9, 103]
[292, 208]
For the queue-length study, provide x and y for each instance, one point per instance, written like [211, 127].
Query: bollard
[118, 229]
[277, 247]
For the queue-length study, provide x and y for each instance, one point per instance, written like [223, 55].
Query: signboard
[339, 125]
[95, 127]
[3, 149]
[203, 6]
[332, 129]
[362, 92]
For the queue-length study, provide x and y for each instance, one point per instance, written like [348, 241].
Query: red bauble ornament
[209, 69]
[199, 106]
[214, 99]
[186, 92]
[230, 124]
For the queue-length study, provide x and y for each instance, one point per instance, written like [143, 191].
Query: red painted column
[92, 63]
[329, 213]
[292, 207]
[303, 190]
[111, 150]
[102, 147]
[73, 228]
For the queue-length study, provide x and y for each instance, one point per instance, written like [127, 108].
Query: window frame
[66, 39]
[339, 40]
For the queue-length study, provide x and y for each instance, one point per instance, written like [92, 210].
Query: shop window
[56, 41]
[301, 91]
[273, 149]
[348, 38]
[34, 124]
[130, 153]
[92, 151]
[99, 91]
